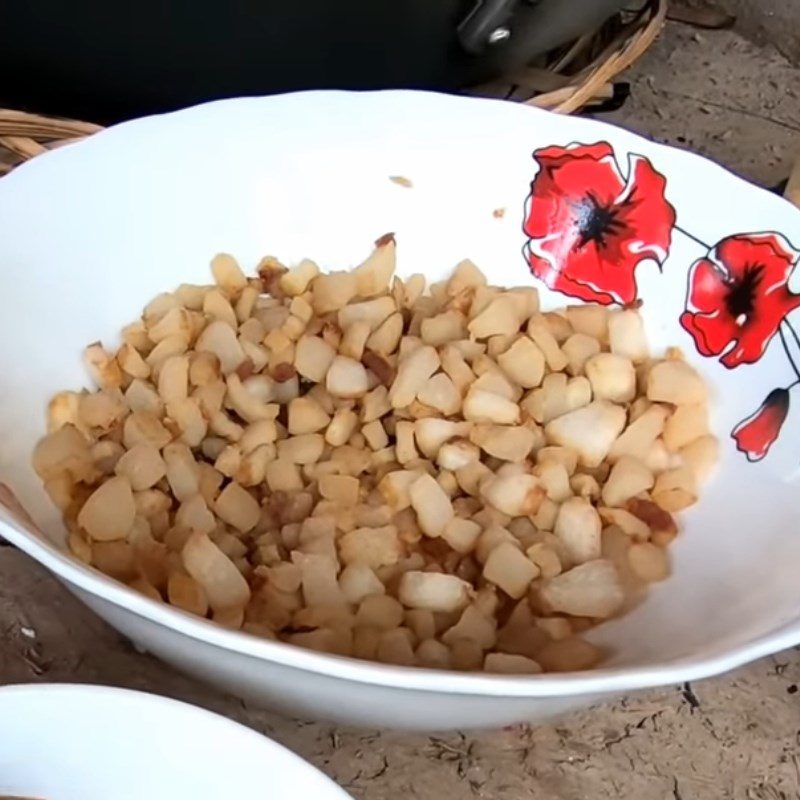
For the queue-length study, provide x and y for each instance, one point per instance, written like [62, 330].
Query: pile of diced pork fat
[439, 476]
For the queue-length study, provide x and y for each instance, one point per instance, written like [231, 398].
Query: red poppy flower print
[738, 296]
[756, 434]
[589, 226]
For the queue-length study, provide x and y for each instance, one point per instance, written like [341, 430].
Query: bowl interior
[89, 234]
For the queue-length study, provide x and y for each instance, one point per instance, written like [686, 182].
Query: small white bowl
[78, 742]
[90, 233]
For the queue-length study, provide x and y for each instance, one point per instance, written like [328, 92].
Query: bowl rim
[592, 682]
[103, 693]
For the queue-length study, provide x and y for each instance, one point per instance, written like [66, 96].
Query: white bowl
[73, 742]
[90, 233]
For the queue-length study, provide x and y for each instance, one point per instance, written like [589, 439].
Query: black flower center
[595, 221]
[741, 297]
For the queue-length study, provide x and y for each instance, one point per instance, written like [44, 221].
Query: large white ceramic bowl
[73, 742]
[90, 233]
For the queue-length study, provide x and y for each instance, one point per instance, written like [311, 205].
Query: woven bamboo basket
[565, 81]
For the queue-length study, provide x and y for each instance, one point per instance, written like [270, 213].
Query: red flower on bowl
[755, 435]
[738, 296]
[589, 226]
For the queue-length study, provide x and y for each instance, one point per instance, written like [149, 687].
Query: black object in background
[106, 61]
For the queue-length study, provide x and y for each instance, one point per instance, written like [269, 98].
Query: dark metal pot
[106, 61]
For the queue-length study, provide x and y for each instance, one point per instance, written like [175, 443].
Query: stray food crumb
[401, 181]
[499, 213]
[674, 354]
[29, 632]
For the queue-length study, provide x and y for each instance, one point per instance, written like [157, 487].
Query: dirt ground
[737, 736]
[768, 22]
[716, 93]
